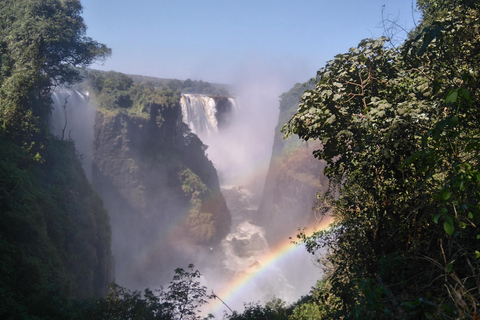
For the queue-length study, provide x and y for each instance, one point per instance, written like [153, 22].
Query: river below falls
[251, 271]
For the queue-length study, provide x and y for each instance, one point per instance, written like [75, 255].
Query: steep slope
[54, 235]
[159, 187]
[54, 231]
[294, 177]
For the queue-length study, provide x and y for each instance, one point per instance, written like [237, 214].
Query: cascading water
[72, 118]
[199, 112]
[205, 114]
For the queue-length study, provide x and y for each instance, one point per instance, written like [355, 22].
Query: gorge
[167, 203]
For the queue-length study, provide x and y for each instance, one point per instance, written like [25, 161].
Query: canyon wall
[294, 178]
[159, 187]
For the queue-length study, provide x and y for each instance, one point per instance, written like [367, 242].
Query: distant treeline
[135, 94]
[186, 86]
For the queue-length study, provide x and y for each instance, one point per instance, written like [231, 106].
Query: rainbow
[239, 286]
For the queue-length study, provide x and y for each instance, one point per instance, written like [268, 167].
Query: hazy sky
[215, 40]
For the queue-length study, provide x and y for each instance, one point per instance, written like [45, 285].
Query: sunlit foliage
[41, 44]
[400, 134]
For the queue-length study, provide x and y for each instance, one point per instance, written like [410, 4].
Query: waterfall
[247, 268]
[199, 113]
[237, 149]
[72, 118]
[206, 115]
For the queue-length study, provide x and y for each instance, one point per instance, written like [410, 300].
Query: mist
[241, 153]
[73, 116]
[146, 254]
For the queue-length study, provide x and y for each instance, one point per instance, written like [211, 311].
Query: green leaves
[401, 137]
[449, 222]
[448, 227]
[446, 194]
[184, 296]
[42, 45]
[429, 35]
[451, 97]
[331, 119]
[452, 121]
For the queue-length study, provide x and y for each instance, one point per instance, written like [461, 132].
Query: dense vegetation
[186, 86]
[54, 231]
[54, 234]
[400, 135]
[117, 92]
[41, 44]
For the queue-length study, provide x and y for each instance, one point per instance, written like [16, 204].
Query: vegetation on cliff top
[119, 92]
[116, 92]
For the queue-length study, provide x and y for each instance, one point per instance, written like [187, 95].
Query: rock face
[293, 180]
[55, 233]
[160, 189]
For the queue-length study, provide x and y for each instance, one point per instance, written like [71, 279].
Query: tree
[41, 45]
[186, 295]
[399, 132]
[180, 301]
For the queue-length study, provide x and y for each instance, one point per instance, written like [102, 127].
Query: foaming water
[200, 113]
[205, 114]
[258, 272]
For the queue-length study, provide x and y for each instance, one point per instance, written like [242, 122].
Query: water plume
[73, 117]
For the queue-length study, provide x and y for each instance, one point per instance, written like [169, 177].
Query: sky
[218, 40]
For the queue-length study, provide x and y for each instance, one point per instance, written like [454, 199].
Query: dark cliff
[294, 178]
[159, 187]
[224, 111]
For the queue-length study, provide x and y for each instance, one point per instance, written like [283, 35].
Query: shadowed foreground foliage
[54, 234]
[181, 300]
[54, 231]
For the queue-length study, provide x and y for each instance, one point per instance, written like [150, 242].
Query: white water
[73, 116]
[200, 113]
[253, 273]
